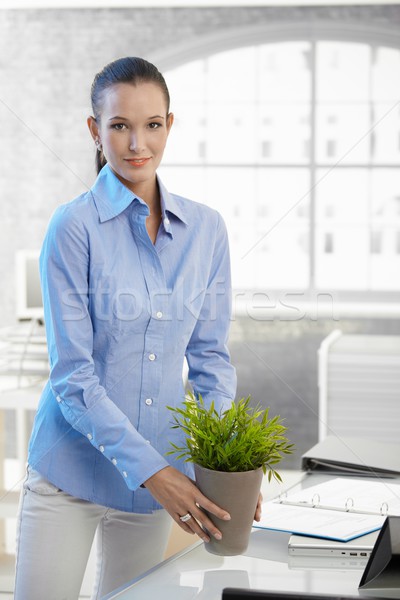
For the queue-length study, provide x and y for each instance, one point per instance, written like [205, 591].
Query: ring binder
[317, 501]
[347, 506]
[367, 497]
[384, 513]
[282, 496]
[352, 455]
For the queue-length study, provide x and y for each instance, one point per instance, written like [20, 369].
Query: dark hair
[123, 70]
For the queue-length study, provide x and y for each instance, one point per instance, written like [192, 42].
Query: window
[297, 144]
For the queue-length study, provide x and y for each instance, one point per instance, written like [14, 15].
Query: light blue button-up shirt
[121, 313]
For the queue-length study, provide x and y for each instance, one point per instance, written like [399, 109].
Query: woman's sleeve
[64, 267]
[211, 373]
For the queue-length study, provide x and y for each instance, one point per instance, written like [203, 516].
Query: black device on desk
[246, 594]
[382, 573]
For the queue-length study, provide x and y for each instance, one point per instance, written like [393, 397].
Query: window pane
[342, 197]
[386, 75]
[188, 134]
[281, 257]
[280, 245]
[385, 192]
[342, 242]
[284, 72]
[284, 94]
[189, 182]
[343, 133]
[232, 192]
[284, 133]
[231, 76]
[385, 222]
[187, 139]
[230, 134]
[386, 132]
[195, 74]
[342, 72]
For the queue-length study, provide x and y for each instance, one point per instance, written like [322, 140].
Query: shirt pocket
[35, 482]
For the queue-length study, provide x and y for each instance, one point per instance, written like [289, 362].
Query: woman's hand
[179, 496]
[257, 516]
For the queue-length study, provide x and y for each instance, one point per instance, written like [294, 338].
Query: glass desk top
[266, 565]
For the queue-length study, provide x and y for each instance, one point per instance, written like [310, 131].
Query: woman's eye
[118, 126]
[155, 125]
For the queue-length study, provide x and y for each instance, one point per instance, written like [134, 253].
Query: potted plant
[231, 451]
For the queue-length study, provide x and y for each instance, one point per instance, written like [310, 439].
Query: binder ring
[349, 504]
[282, 496]
[315, 500]
[384, 509]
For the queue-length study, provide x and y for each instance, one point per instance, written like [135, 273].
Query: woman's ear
[170, 120]
[93, 128]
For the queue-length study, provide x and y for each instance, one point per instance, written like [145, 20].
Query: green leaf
[241, 438]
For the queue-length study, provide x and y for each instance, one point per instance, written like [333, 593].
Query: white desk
[194, 573]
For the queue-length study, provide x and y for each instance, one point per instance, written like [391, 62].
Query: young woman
[134, 279]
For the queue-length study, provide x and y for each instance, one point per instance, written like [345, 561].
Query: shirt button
[148, 401]
[101, 448]
[166, 221]
[89, 436]
[159, 314]
[58, 398]
[124, 473]
[114, 461]
[152, 356]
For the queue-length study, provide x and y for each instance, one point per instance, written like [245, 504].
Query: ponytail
[100, 160]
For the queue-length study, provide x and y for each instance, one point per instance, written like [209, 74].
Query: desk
[194, 573]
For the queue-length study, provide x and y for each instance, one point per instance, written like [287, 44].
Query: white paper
[331, 524]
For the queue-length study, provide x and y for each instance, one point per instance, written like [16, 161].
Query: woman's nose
[136, 143]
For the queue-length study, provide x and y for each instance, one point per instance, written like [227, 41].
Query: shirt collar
[169, 206]
[112, 197]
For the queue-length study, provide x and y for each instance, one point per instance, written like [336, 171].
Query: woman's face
[133, 129]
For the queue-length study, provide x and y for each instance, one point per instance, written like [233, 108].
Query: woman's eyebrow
[119, 118]
[125, 119]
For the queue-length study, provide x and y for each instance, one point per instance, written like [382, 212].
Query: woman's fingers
[200, 523]
[257, 516]
[193, 526]
[203, 502]
[200, 518]
[180, 497]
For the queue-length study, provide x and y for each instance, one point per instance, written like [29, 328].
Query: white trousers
[55, 532]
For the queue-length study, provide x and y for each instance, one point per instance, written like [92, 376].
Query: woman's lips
[137, 162]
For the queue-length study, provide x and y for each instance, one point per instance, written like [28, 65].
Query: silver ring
[186, 517]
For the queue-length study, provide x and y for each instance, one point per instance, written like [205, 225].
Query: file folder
[355, 456]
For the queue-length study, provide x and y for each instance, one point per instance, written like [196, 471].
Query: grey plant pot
[238, 494]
